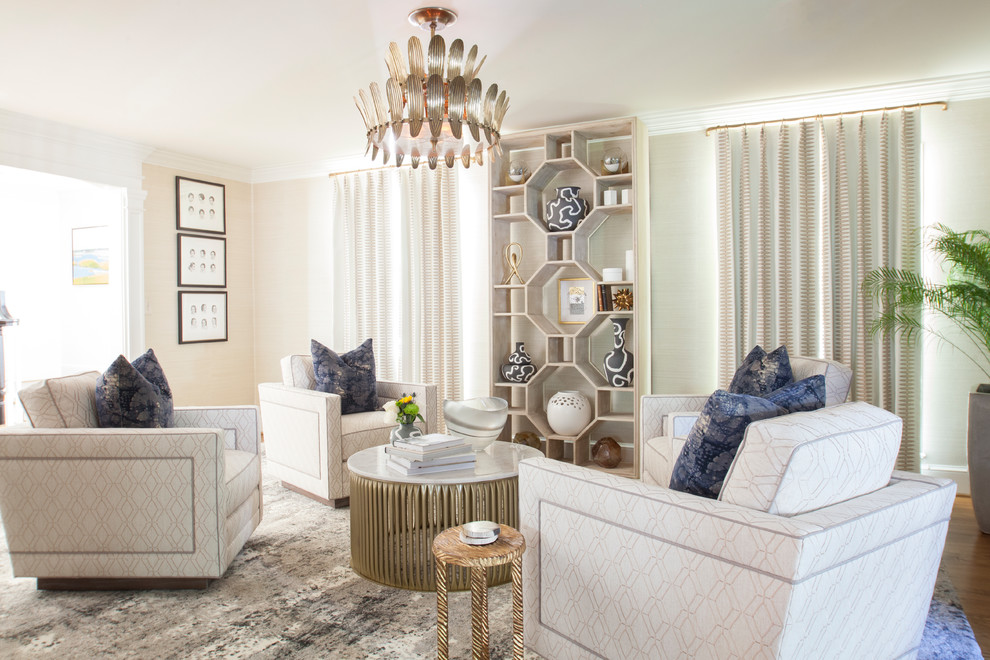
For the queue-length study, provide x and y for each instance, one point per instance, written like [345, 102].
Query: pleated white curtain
[805, 210]
[401, 265]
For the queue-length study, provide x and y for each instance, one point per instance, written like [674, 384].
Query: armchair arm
[426, 395]
[113, 502]
[240, 423]
[302, 431]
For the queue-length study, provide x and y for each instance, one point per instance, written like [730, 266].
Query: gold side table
[451, 551]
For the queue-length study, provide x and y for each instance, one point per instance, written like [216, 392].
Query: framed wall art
[91, 255]
[199, 206]
[575, 300]
[202, 261]
[202, 316]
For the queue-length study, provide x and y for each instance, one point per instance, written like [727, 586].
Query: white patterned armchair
[815, 548]
[308, 440]
[101, 508]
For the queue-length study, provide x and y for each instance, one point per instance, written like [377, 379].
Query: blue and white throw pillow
[714, 440]
[134, 395]
[761, 373]
[800, 396]
[349, 375]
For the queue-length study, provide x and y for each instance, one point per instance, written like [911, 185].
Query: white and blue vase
[519, 368]
[566, 210]
[619, 362]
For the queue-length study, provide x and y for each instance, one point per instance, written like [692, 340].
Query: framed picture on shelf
[199, 206]
[202, 316]
[90, 255]
[202, 261]
[575, 300]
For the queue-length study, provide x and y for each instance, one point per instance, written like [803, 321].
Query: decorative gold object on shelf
[513, 255]
[518, 172]
[527, 438]
[614, 162]
[606, 452]
[434, 108]
[622, 300]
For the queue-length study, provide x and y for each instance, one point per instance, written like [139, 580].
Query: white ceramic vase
[568, 412]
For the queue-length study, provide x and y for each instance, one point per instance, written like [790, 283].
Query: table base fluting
[393, 525]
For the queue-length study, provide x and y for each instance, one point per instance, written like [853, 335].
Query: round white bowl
[479, 421]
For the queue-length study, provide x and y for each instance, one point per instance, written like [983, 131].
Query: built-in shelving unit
[569, 356]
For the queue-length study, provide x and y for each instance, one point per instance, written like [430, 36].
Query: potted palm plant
[964, 300]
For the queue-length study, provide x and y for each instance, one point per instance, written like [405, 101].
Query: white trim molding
[953, 88]
[202, 166]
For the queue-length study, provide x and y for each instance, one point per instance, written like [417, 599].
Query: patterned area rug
[291, 593]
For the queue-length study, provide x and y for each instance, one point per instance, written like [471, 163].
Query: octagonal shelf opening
[561, 297]
[542, 185]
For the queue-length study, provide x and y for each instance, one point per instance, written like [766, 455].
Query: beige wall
[294, 270]
[218, 373]
[683, 263]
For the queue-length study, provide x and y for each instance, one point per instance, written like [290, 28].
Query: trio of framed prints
[201, 263]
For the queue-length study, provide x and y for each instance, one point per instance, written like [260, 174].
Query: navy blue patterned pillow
[802, 395]
[151, 369]
[714, 440]
[126, 398]
[350, 375]
[761, 373]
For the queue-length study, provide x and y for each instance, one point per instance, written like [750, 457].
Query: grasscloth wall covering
[805, 211]
[200, 374]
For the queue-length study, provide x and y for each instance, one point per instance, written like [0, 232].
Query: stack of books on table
[434, 452]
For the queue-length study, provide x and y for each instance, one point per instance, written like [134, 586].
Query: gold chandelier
[434, 111]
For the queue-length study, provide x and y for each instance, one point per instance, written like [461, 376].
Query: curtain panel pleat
[799, 230]
[401, 284]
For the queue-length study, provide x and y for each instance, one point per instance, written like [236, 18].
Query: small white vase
[568, 412]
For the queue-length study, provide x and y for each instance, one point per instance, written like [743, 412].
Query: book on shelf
[457, 450]
[428, 469]
[465, 455]
[429, 442]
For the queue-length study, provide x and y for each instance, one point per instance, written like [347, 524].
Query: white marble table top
[499, 460]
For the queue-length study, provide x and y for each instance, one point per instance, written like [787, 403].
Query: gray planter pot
[978, 451]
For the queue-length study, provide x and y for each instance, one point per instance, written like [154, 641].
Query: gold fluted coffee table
[451, 551]
[394, 517]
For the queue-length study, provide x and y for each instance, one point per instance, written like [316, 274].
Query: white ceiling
[262, 84]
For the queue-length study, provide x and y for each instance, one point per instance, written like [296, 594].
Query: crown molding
[200, 166]
[309, 169]
[949, 89]
[47, 146]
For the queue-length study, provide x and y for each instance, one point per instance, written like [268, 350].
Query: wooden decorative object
[450, 551]
[607, 452]
[527, 438]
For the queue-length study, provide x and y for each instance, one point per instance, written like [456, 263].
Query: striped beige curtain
[805, 210]
[400, 273]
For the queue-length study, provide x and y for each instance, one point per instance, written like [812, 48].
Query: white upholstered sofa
[90, 508]
[308, 440]
[815, 549]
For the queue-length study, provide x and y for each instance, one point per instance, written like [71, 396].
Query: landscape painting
[91, 255]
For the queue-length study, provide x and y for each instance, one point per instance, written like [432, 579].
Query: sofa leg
[337, 503]
[120, 584]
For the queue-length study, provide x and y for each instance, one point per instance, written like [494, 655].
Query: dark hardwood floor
[967, 559]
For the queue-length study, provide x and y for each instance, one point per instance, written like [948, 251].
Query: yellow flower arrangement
[404, 411]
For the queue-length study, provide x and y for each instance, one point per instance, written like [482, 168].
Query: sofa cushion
[761, 373]
[349, 375]
[73, 401]
[809, 460]
[838, 377]
[713, 440]
[39, 407]
[800, 396]
[242, 476]
[125, 398]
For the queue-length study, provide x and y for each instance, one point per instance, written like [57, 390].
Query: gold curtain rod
[708, 131]
[371, 169]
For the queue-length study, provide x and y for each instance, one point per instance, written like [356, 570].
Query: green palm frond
[964, 299]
